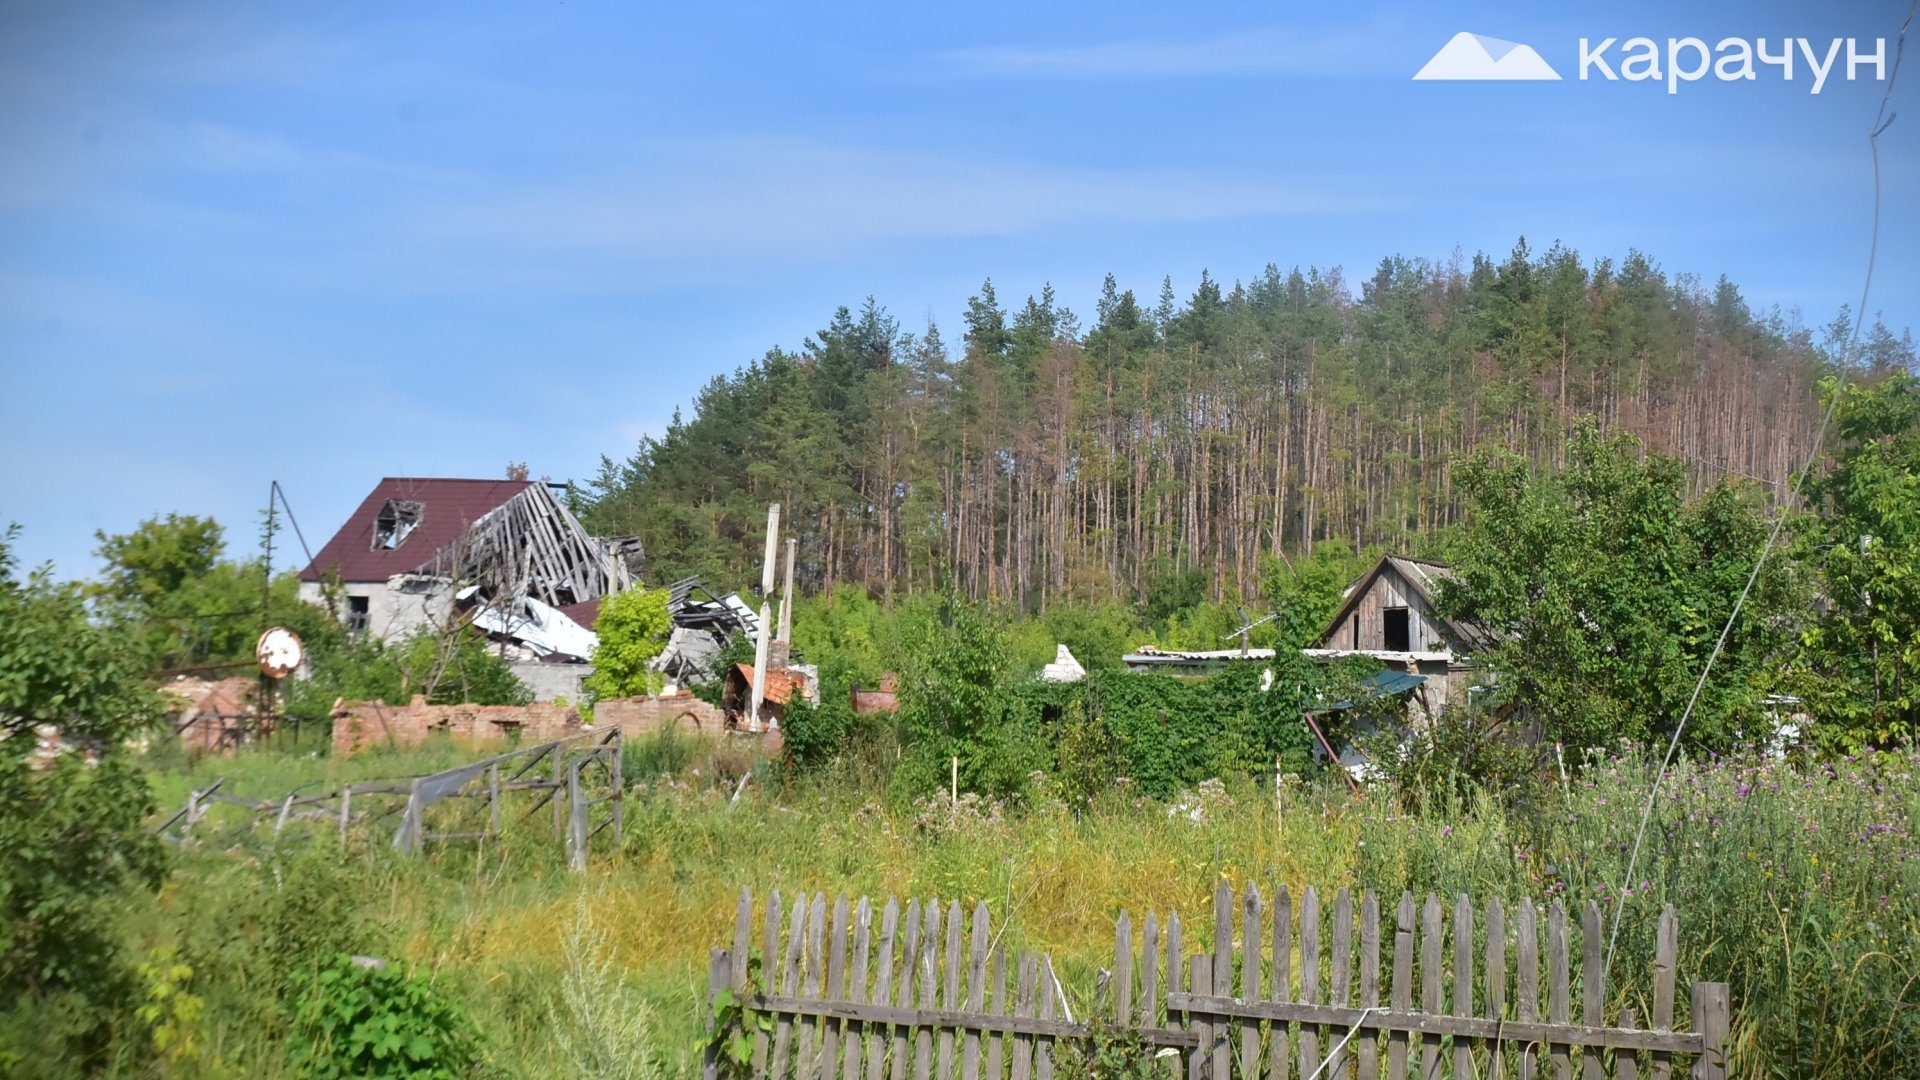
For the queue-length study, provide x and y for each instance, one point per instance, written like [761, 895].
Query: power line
[1881, 120]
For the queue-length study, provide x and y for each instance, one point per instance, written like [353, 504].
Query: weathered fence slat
[976, 992]
[927, 971]
[1367, 1054]
[1200, 982]
[1340, 982]
[1222, 971]
[1496, 969]
[1280, 1036]
[996, 1044]
[1397, 1041]
[835, 990]
[1626, 1063]
[1048, 991]
[1463, 981]
[813, 970]
[1250, 926]
[1593, 988]
[909, 957]
[1666, 946]
[1558, 991]
[1430, 983]
[841, 1013]
[1309, 979]
[789, 985]
[1527, 978]
[1023, 1007]
[883, 987]
[857, 1039]
[950, 988]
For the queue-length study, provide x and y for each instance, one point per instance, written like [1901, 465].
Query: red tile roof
[780, 684]
[451, 506]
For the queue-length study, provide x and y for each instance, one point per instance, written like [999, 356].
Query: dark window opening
[357, 611]
[1399, 630]
[396, 522]
[1356, 630]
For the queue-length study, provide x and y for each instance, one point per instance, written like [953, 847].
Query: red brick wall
[644, 715]
[359, 725]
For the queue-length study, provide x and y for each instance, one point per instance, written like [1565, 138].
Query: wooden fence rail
[579, 776]
[925, 994]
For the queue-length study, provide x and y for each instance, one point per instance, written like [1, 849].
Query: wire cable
[1881, 121]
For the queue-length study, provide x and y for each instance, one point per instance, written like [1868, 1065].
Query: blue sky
[323, 244]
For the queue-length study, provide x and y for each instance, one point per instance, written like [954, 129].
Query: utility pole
[763, 644]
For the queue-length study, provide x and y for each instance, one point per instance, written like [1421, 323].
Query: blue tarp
[1385, 684]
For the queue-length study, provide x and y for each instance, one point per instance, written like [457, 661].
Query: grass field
[1800, 887]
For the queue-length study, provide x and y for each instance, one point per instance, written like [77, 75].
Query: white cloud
[785, 197]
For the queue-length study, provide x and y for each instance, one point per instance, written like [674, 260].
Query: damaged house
[1389, 614]
[506, 554]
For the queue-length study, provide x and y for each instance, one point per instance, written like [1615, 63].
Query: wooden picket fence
[847, 1000]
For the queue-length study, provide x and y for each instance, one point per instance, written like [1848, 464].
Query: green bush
[365, 1019]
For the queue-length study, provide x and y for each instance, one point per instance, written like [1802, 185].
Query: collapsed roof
[703, 625]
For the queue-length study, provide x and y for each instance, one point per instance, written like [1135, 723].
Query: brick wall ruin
[360, 725]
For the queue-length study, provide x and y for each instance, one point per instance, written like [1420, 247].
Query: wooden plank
[1049, 991]
[883, 987]
[909, 960]
[1200, 1062]
[1496, 983]
[1149, 982]
[1340, 981]
[1176, 959]
[789, 984]
[1222, 971]
[1023, 1008]
[1463, 981]
[742, 940]
[1711, 1018]
[1666, 949]
[1122, 970]
[1526, 976]
[1430, 983]
[950, 989]
[1397, 1041]
[857, 987]
[1279, 1035]
[1367, 1052]
[1593, 986]
[927, 972]
[1558, 986]
[1440, 1025]
[1626, 1063]
[1250, 964]
[836, 988]
[976, 992]
[1309, 979]
[812, 978]
[996, 1046]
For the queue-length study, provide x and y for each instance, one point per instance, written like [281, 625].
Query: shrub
[366, 1019]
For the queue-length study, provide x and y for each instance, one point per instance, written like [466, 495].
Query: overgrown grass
[1800, 887]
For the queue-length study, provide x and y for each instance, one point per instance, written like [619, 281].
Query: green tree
[1860, 668]
[166, 587]
[633, 628]
[73, 834]
[1606, 588]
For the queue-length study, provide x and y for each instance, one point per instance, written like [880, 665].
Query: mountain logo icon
[1478, 57]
